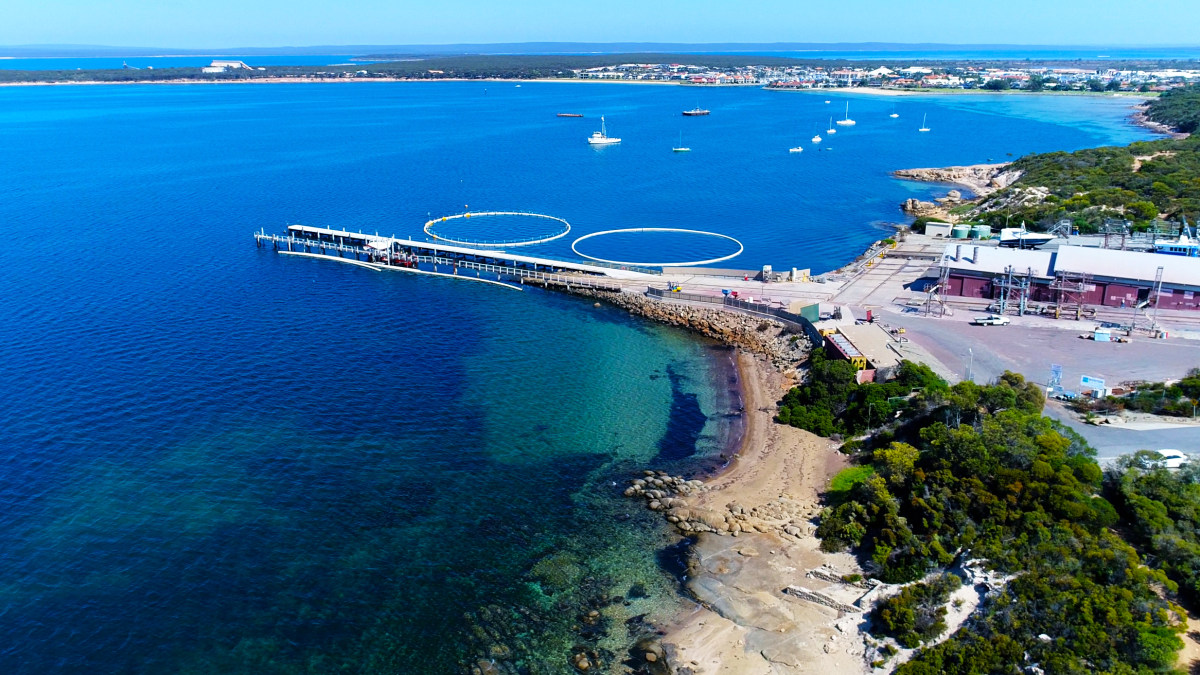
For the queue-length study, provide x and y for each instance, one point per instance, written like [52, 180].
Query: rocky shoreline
[1142, 119]
[981, 179]
[783, 346]
[768, 600]
[496, 647]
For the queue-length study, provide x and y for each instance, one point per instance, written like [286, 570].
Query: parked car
[991, 320]
[1171, 459]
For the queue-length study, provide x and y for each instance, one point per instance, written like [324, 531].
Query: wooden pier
[431, 258]
[362, 246]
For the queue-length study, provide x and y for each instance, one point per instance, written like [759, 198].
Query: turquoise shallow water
[217, 459]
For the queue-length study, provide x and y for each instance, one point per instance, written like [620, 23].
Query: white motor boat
[601, 137]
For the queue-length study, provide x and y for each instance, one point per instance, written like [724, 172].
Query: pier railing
[327, 245]
[591, 281]
[565, 279]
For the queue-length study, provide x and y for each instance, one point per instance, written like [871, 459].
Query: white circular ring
[689, 263]
[518, 242]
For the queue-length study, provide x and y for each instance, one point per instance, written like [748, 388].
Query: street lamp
[970, 363]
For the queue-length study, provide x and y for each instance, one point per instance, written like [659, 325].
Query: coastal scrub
[976, 470]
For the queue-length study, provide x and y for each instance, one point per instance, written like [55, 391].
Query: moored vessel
[847, 122]
[601, 137]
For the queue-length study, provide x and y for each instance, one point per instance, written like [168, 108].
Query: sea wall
[786, 348]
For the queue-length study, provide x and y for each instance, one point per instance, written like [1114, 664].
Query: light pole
[869, 406]
[970, 363]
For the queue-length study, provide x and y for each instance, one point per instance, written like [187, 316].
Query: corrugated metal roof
[995, 260]
[844, 345]
[1101, 263]
[1136, 265]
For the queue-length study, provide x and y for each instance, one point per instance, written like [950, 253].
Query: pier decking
[514, 270]
[344, 243]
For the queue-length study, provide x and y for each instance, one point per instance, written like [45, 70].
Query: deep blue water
[217, 459]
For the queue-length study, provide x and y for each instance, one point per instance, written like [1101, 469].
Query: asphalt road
[990, 350]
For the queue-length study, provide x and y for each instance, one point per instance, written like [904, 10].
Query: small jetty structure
[473, 263]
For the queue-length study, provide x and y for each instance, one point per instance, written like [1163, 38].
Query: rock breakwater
[784, 346]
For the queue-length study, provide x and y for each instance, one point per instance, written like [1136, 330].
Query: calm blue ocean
[217, 459]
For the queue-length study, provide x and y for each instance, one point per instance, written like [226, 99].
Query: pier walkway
[468, 263]
[346, 243]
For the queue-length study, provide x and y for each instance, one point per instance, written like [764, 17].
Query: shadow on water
[674, 558]
[685, 424]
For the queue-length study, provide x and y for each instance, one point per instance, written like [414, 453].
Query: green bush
[980, 469]
[917, 613]
[831, 402]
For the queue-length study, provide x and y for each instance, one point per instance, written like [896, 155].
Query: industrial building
[220, 66]
[867, 346]
[1073, 275]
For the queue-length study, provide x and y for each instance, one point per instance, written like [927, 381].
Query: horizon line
[729, 46]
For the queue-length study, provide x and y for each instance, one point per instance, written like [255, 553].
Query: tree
[996, 85]
[1142, 210]
[896, 462]
[1113, 85]
[1036, 83]
[1095, 85]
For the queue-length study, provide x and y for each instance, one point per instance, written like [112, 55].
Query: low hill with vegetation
[1142, 182]
[1097, 564]
[1178, 109]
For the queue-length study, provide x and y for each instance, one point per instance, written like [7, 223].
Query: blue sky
[269, 23]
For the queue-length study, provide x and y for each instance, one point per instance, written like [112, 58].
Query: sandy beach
[744, 622]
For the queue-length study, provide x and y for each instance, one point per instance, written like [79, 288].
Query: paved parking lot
[1029, 350]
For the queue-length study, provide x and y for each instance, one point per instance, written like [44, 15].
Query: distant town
[924, 76]
[1144, 76]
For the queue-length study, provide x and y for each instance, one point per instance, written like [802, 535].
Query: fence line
[745, 307]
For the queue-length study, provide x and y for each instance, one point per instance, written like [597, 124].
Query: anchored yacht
[847, 122]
